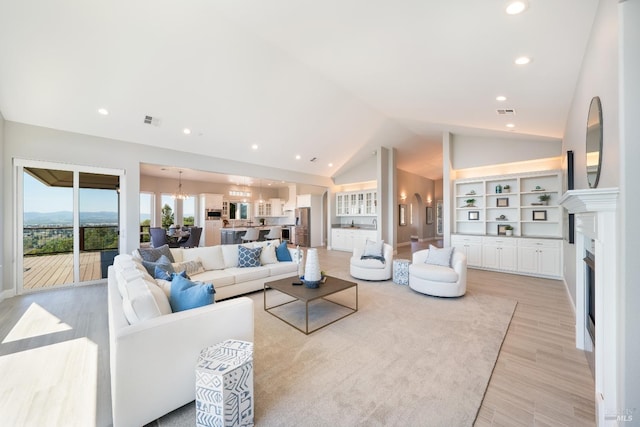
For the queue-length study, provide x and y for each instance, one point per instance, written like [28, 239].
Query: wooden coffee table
[301, 293]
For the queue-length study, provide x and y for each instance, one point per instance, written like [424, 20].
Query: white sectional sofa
[153, 351]
[220, 263]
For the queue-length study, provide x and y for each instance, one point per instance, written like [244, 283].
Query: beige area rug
[404, 359]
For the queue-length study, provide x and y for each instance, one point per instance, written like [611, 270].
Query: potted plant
[470, 203]
[506, 188]
[509, 230]
[544, 198]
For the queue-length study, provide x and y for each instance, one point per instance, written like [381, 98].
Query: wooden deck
[51, 270]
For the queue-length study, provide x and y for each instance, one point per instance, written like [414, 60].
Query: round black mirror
[594, 142]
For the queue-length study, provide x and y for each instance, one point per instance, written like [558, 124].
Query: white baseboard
[7, 294]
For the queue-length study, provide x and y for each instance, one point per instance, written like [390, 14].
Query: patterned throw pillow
[154, 254]
[191, 267]
[439, 256]
[248, 257]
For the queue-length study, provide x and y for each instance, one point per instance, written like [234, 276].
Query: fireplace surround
[596, 231]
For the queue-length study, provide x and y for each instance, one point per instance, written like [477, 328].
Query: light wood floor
[54, 355]
[50, 270]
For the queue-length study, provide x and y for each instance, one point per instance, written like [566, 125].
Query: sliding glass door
[67, 224]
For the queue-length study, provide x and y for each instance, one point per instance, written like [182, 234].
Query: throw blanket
[378, 257]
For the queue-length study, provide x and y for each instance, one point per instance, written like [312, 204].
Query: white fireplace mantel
[596, 229]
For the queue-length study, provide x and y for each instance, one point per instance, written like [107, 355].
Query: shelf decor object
[502, 202]
[502, 229]
[539, 215]
[474, 215]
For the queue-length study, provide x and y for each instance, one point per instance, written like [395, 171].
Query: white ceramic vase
[312, 266]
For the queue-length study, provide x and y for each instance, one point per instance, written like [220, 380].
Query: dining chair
[158, 237]
[194, 238]
[251, 235]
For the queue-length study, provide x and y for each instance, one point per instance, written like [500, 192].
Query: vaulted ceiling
[330, 80]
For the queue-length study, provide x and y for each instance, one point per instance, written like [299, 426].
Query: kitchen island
[233, 235]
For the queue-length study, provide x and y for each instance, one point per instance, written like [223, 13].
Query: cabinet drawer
[499, 241]
[539, 243]
[466, 239]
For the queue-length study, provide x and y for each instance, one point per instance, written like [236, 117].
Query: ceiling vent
[151, 121]
[313, 159]
[506, 112]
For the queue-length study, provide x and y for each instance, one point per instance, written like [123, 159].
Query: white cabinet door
[304, 200]
[508, 258]
[339, 240]
[528, 260]
[341, 202]
[472, 248]
[276, 207]
[549, 262]
[491, 257]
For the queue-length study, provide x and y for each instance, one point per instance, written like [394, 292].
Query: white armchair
[372, 269]
[438, 280]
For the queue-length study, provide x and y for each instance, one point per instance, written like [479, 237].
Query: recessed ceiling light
[523, 60]
[297, 156]
[510, 125]
[516, 7]
[501, 98]
[186, 131]
[103, 111]
[254, 146]
[330, 165]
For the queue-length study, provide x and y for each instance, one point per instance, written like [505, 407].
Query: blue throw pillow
[162, 262]
[282, 252]
[248, 257]
[161, 273]
[186, 294]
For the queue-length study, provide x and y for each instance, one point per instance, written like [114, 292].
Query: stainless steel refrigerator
[303, 234]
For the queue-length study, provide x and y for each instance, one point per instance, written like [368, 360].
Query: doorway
[68, 224]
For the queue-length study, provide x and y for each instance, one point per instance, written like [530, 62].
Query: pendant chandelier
[180, 195]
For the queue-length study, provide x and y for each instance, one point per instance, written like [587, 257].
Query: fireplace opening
[590, 279]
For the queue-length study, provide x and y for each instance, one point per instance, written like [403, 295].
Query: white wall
[598, 77]
[470, 151]
[364, 171]
[4, 284]
[37, 143]
[629, 317]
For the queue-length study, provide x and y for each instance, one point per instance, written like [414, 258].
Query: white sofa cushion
[230, 255]
[219, 278]
[211, 256]
[177, 254]
[248, 273]
[436, 273]
[145, 300]
[283, 267]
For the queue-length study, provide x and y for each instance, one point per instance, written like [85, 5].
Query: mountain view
[65, 218]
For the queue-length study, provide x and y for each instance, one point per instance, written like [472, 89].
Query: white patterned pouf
[401, 271]
[224, 385]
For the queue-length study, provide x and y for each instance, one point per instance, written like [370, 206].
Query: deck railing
[58, 240]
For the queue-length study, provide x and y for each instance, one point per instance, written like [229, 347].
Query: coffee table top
[302, 293]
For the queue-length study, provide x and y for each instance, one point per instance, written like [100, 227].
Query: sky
[41, 198]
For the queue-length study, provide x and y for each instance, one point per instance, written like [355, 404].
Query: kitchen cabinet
[211, 201]
[357, 203]
[540, 257]
[211, 233]
[471, 246]
[269, 208]
[499, 254]
[345, 239]
[303, 201]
